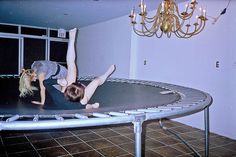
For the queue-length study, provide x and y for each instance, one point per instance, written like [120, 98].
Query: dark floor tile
[150, 153]
[186, 137]
[152, 126]
[68, 140]
[200, 144]
[39, 137]
[98, 144]
[100, 129]
[80, 131]
[127, 155]
[197, 146]
[150, 144]
[231, 146]
[220, 141]
[25, 154]
[107, 133]
[6, 134]
[220, 151]
[19, 148]
[186, 155]
[92, 153]
[129, 147]
[183, 129]
[181, 147]
[119, 140]
[168, 140]
[112, 151]
[59, 134]
[45, 144]
[52, 152]
[15, 140]
[167, 151]
[196, 134]
[123, 130]
[2, 150]
[89, 137]
[77, 148]
[132, 136]
[155, 134]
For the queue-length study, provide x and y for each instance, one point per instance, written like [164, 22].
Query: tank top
[50, 69]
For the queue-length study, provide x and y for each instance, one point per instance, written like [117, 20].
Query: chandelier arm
[184, 17]
[152, 19]
[140, 33]
[196, 31]
[160, 34]
[148, 32]
[201, 28]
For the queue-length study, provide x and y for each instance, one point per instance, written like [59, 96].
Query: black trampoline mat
[112, 96]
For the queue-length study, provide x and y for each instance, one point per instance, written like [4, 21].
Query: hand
[37, 102]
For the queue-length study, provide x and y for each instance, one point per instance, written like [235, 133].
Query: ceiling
[67, 13]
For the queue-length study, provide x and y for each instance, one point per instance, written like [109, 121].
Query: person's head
[74, 92]
[25, 87]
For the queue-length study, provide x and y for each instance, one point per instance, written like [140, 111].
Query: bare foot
[91, 106]
[72, 33]
[108, 73]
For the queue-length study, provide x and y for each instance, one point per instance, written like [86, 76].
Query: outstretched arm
[41, 78]
[92, 86]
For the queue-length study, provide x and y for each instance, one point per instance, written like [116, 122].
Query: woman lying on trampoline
[48, 72]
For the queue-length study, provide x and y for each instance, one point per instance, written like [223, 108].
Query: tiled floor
[111, 141]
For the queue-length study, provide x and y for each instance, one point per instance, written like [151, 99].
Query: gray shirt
[49, 68]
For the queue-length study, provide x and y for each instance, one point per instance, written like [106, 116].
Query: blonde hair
[25, 86]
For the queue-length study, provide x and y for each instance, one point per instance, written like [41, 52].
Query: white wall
[192, 63]
[103, 44]
[188, 62]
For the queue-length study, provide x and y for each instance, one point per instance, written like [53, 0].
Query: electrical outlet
[217, 64]
[145, 62]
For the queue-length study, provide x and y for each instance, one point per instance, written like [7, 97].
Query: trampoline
[121, 101]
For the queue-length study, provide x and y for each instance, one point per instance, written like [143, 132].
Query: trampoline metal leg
[206, 121]
[138, 138]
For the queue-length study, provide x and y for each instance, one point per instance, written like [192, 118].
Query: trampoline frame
[191, 101]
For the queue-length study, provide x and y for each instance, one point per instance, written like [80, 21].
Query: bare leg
[70, 59]
[92, 86]
[108, 73]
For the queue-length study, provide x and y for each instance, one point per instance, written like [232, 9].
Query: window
[34, 49]
[8, 28]
[33, 31]
[9, 56]
[58, 52]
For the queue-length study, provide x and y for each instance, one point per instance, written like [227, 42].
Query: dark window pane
[53, 33]
[34, 49]
[33, 31]
[8, 29]
[58, 51]
[9, 56]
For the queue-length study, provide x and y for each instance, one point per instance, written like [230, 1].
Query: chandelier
[168, 20]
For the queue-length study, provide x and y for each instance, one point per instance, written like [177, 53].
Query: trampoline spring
[100, 115]
[133, 112]
[59, 117]
[13, 118]
[148, 110]
[80, 116]
[117, 114]
[36, 118]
